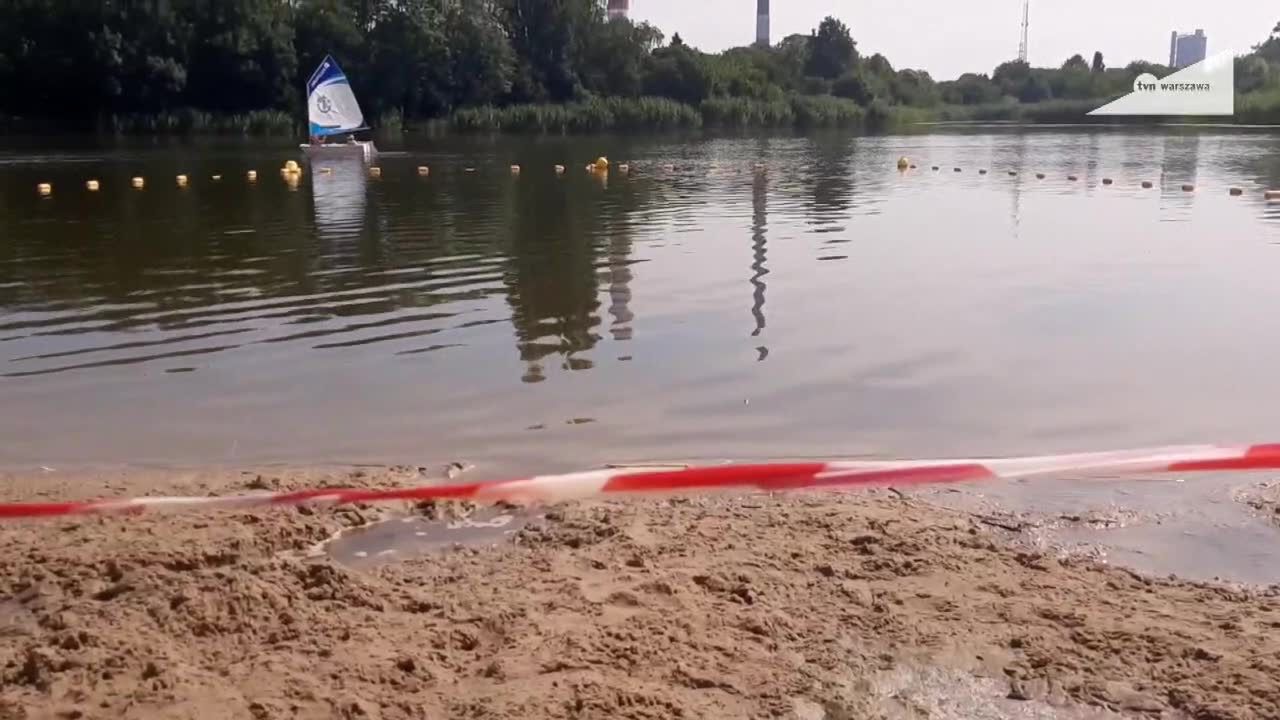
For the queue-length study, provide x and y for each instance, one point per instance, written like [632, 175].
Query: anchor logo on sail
[324, 104]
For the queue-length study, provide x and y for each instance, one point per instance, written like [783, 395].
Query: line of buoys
[956, 169]
[559, 169]
[1145, 184]
[1013, 173]
[624, 168]
[138, 183]
[982, 171]
[469, 170]
[935, 167]
[1072, 178]
[1106, 181]
[1188, 187]
[252, 175]
[182, 180]
[1235, 191]
[45, 189]
[216, 178]
[91, 186]
[1039, 176]
[515, 169]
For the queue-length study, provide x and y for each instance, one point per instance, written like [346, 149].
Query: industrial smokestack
[618, 8]
[762, 23]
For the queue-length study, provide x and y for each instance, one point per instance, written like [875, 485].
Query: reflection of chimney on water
[620, 288]
[759, 248]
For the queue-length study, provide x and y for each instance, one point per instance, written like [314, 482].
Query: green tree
[615, 55]
[832, 50]
[1011, 76]
[481, 61]
[408, 59]
[855, 86]
[548, 36]
[242, 57]
[1075, 63]
[677, 72]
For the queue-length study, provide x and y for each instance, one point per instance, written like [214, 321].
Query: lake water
[696, 307]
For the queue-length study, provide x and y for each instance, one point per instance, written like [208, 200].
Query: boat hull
[362, 149]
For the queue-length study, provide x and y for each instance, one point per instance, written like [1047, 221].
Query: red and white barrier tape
[740, 477]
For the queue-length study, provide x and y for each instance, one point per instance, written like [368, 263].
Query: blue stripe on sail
[327, 130]
[327, 72]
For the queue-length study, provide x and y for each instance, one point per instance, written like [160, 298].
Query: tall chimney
[762, 23]
[618, 8]
[1173, 49]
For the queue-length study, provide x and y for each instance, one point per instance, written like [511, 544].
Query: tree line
[79, 62]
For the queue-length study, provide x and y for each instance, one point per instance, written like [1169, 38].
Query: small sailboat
[332, 111]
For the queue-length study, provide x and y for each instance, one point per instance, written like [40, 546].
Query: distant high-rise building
[762, 23]
[1187, 50]
[618, 8]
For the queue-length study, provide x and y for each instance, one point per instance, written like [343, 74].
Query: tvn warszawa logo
[1206, 88]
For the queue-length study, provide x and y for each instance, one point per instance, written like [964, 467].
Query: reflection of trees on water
[830, 178]
[1180, 157]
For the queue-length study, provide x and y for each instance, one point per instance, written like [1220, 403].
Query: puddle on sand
[1194, 527]
[401, 538]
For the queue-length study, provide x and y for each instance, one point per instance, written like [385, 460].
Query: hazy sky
[949, 37]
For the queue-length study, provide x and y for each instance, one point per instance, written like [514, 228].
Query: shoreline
[793, 605]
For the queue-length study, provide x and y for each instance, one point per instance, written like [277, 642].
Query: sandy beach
[806, 606]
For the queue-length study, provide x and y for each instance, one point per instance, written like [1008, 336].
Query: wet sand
[798, 606]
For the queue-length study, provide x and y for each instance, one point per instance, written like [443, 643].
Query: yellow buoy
[903, 163]
[601, 164]
[291, 166]
[44, 189]
[559, 169]
[138, 182]
[424, 171]
[1188, 187]
[515, 169]
[375, 171]
[182, 181]
[252, 175]
[1145, 183]
[1236, 191]
[91, 186]
[1271, 195]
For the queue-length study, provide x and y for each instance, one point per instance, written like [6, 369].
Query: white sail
[331, 106]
